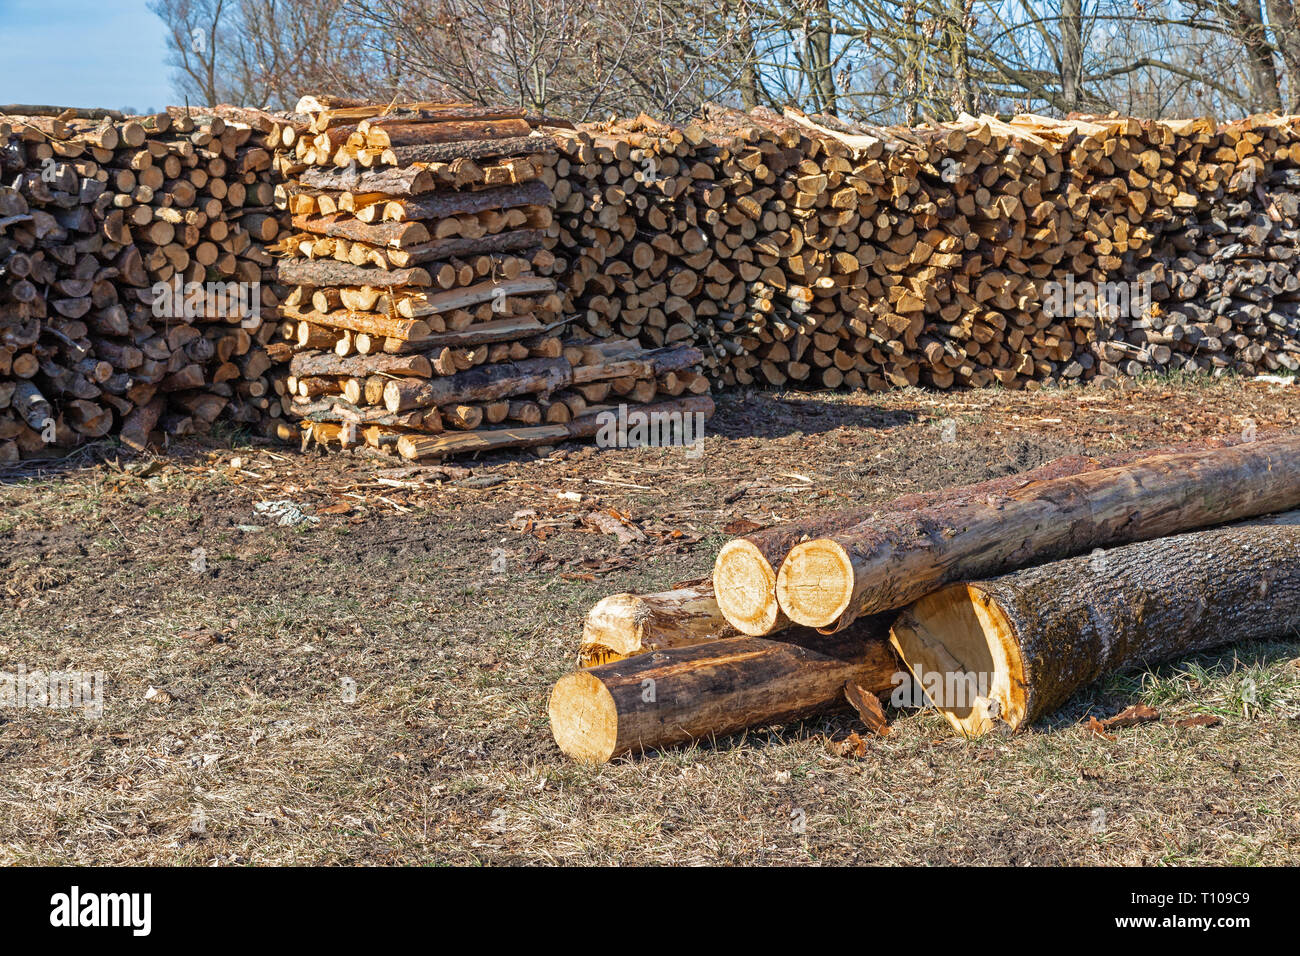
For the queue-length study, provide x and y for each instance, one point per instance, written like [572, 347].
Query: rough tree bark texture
[1020, 645]
[899, 558]
[703, 690]
[745, 572]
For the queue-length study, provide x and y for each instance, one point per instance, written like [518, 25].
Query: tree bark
[745, 572]
[898, 558]
[320, 273]
[446, 205]
[475, 149]
[1012, 649]
[701, 691]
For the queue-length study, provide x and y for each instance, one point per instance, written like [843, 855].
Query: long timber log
[896, 559]
[1007, 651]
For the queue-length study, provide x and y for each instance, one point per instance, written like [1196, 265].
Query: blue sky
[106, 53]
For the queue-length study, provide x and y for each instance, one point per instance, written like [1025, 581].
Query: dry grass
[254, 748]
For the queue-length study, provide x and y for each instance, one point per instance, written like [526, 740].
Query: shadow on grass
[64, 462]
[760, 414]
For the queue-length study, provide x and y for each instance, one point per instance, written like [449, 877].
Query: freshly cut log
[1012, 649]
[898, 558]
[624, 625]
[700, 691]
[745, 572]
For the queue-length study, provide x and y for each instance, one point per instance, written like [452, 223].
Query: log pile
[1225, 291]
[132, 262]
[423, 310]
[1106, 565]
[804, 250]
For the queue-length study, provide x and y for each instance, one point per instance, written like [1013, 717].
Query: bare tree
[195, 31]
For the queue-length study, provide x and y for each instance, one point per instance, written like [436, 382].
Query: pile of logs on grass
[804, 250]
[99, 214]
[1000, 600]
[423, 313]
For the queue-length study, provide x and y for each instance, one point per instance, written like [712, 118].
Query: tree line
[882, 61]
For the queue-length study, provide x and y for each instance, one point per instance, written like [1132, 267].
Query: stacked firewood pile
[806, 250]
[992, 602]
[131, 266]
[423, 311]
[1224, 289]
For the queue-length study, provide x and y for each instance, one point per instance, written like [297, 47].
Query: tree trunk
[898, 558]
[745, 572]
[707, 690]
[1014, 648]
[1071, 54]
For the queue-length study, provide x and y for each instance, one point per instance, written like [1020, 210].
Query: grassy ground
[371, 687]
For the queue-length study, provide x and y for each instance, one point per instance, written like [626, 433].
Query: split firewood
[624, 625]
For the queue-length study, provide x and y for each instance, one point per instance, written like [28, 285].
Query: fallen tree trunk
[706, 690]
[745, 572]
[1014, 648]
[898, 558]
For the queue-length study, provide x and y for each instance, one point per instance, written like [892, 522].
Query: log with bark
[745, 572]
[1009, 650]
[698, 692]
[895, 559]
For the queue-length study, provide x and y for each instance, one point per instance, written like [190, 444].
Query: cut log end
[584, 718]
[613, 630]
[962, 650]
[815, 583]
[745, 584]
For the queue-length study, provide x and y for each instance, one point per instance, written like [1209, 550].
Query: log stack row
[132, 259]
[806, 250]
[423, 308]
[1224, 290]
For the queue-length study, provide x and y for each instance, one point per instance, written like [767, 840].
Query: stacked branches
[424, 313]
